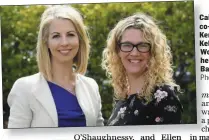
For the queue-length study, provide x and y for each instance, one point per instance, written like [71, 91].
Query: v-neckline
[70, 92]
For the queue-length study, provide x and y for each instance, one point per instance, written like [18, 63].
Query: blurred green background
[19, 29]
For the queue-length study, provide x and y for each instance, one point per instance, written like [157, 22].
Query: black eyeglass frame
[134, 46]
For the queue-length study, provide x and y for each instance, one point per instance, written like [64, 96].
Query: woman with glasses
[138, 61]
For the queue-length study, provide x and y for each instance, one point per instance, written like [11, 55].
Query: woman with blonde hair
[138, 61]
[59, 95]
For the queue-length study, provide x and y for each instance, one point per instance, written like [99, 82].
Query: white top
[32, 105]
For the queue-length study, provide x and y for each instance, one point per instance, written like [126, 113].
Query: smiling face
[134, 62]
[63, 41]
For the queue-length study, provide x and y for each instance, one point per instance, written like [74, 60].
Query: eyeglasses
[128, 47]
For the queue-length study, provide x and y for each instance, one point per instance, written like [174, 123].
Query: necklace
[71, 88]
[138, 91]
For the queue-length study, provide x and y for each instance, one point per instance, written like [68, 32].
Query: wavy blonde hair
[43, 54]
[159, 70]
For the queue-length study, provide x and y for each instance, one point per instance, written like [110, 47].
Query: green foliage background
[20, 24]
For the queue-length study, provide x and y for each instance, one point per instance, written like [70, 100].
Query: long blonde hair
[43, 54]
[159, 70]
